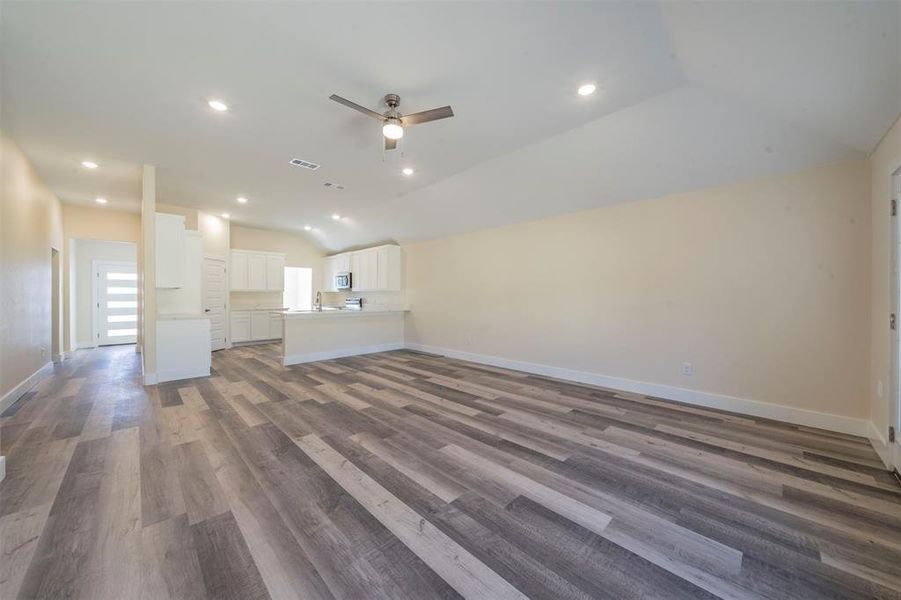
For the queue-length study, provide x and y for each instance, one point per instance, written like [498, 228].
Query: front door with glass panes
[115, 303]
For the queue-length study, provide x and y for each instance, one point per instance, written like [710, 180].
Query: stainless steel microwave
[343, 281]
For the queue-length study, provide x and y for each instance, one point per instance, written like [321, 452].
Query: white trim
[150, 379]
[85, 345]
[779, 412]
[879, 445]
[296, 359]
[176, 374]
[2, 468]
[10, 397]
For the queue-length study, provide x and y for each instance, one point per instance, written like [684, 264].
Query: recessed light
[225, 216]
[87, 164]
[587, 89]
[336, 217]
[218, 105]
[242, 200]
[307, 228]
[408, 171]
[100, 200]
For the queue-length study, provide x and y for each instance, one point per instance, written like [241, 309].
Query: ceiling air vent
[297, 162]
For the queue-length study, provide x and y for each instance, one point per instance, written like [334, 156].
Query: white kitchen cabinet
[275, 326]
[240, 326]
[259, 325]
[170, 250]
[254, 271]
[238, 278]
[255, 325]
[331, 266]
[389, 268]
[374, 269]
[364, 267]
[275, 273]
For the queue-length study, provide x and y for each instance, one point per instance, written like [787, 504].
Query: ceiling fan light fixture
[392, 130]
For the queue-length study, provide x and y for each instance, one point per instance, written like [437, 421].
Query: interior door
[214, 300]
[115, 303]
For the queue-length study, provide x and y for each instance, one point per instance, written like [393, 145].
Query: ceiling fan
[393, 122]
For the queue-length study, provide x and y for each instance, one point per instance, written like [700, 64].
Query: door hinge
[891, 321]
[894, 207]
[891, 434]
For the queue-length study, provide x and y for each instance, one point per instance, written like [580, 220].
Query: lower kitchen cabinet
[255, 325]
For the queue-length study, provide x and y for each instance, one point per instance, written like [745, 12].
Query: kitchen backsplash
[370, 299]
[249, 300]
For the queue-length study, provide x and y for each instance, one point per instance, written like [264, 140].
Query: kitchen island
[312, 335]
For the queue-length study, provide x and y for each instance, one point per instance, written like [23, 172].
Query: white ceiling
[690, 96]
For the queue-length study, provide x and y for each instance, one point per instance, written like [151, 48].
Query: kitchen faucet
[319, 301]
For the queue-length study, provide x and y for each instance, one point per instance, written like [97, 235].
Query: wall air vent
[298, 162]
[334, 186]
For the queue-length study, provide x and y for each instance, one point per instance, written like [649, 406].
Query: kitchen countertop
[316, 314]
[181, 317]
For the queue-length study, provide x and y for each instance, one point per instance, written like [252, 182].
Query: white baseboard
[779, 412]
[17, 392]
[880, 445]
[176, 374]
[2, 468]
[296, 359]
[150, 379]
[85, 345]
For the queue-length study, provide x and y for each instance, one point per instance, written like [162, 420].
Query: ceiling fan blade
[427, 115]
[390, 144]
[355, 106]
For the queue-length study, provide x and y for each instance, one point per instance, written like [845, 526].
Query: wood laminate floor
[405, 475]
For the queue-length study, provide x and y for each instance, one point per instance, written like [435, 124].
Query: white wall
[763, 286]
[85, 252]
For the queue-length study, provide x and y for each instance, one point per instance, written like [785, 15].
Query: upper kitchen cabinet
[331, 266]
[170, 251]
[253, 271]
[388, 268]
[364, 270]
[275, 272]
[372, 270]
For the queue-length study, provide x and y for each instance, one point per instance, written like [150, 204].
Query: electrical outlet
[687, 369]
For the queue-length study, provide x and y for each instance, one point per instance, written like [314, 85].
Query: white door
[215, 293]
[894, 413]
[115, 303]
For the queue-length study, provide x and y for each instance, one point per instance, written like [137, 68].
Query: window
[298, 288]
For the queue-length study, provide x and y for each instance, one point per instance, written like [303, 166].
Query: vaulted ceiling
[690, 95]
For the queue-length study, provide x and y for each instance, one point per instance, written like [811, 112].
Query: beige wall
[30, 225]
[89, 223]
[884, 159]
[216, 234]
[298, 251]
[763, 286]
